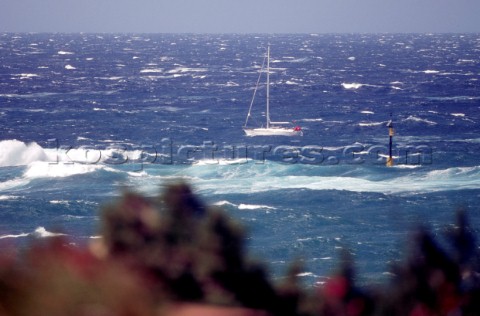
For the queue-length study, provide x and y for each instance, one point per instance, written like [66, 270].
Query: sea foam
[351, 86]
[41, 169]
[39, 232]
[17, 153]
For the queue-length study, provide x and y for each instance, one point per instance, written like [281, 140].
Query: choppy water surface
[83, 116]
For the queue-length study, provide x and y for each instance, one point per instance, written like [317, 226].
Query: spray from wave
[17, 153]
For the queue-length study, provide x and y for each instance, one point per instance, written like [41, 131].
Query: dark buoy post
[391, 132]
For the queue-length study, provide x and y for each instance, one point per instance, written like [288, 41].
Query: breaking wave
[39, 232]
[17, 153]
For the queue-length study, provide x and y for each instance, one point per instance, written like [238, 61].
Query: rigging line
[255, 92]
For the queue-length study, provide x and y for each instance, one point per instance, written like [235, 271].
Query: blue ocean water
[84, 116]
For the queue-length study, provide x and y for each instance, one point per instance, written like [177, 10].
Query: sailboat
[271, 128]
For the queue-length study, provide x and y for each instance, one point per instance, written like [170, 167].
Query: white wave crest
[291, 82]
[352, 86]
[420, 120]
[254, 207]
[16, 182]
[39, 232]
[222, 162]
[41, 169]
[356, 85]
[370, 123]
[14, 236]
[243, 206]
[312, 120]
[224, 202]
[151, 70]
[26, 76]
[59, 202]
[17, 153]
[186, 70]
[8, 197]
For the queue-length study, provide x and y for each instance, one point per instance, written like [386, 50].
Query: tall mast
[268, 86]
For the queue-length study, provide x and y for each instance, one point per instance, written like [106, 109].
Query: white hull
[272, 131]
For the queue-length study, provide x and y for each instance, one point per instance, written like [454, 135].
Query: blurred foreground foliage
[176, 256]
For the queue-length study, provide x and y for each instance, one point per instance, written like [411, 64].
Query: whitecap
[151, 70]
[72, 217]
[69, 67]
[14, 236]
[206, 162]
[312, 120]
[59, 202]
[221, 161]
[304, 274]
[224, 202]
[367, 112]
[9, 184]
[368, 124]
[85, 155]
[24, 76]
[231, 84]
[17, 153]
[254, 207]
[406, 166]
[292, 83]
[467, 61]
[458, 114]
[304, 239]
[234, 161]
[8, 197]
[431, 71]
[388, 273]
[186, 69]
[420, 120]
[351, 86]
[137, 174]
[41, 169]
[41, 232]
[62, 52]
[114, 78]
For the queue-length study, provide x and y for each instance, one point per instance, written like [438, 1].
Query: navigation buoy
[391, 132]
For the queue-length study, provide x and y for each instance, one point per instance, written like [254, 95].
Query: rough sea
[85, 116]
